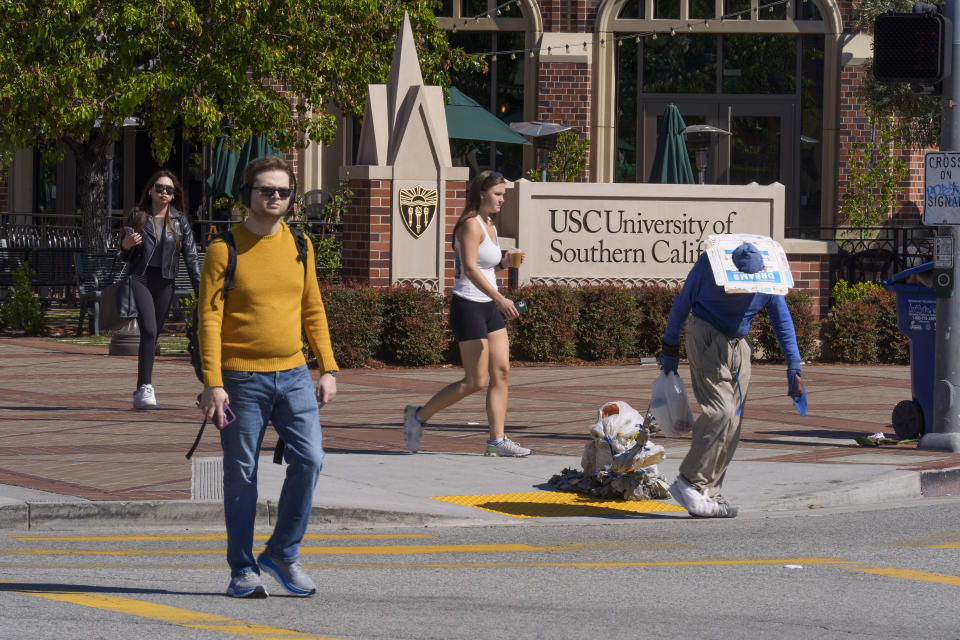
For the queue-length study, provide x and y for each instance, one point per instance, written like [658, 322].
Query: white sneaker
[144, 397]
[412, 428]
[506, 448]
[698, 503]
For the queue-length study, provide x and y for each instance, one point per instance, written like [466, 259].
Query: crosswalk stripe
[176, 616]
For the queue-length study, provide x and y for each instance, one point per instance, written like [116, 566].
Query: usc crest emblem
[418, 207]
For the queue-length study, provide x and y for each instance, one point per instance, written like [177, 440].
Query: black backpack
[193, 337]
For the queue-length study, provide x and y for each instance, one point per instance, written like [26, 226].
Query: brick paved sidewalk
[67, 426]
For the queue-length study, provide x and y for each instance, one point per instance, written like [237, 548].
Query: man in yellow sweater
[252, 356]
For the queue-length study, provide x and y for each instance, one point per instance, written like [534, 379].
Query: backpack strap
[196, 443]
[231, 269]
[301, 240]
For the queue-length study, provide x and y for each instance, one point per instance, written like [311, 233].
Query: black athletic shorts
[474, 320]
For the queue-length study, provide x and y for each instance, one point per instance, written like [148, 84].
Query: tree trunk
[91, 159]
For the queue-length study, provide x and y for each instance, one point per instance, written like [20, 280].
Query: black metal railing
[872, 254]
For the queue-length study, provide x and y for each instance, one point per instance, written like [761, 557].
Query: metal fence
[49, 243]
[873, 254]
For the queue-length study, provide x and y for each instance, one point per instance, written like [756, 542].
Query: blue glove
[794, 383]
[669, 358]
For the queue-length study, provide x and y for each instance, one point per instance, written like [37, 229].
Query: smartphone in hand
[228, 415]
[521, 306]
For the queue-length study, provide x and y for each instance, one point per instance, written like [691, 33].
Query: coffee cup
[514, 258]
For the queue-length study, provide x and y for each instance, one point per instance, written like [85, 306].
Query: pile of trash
[620, 461]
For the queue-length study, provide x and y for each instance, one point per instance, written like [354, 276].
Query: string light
[620, 39]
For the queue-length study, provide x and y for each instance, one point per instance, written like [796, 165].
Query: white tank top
[488, 257]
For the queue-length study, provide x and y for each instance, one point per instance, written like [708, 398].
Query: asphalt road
[886, 573]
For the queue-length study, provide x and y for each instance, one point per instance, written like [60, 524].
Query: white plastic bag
[617, 424]
[669, 404]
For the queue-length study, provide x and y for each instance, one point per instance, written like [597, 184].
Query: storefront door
[762, 147]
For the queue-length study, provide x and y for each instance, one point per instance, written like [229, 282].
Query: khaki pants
[717, 365]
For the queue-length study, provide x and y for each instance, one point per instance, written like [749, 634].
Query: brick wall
[563, 96]
[366, 233]
[571, 16]
[456, 199]
[811, 274]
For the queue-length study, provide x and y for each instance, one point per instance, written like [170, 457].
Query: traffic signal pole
[945, 430]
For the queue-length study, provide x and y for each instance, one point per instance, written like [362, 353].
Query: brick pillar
[811, 274]
[366, 233]
[456, 198]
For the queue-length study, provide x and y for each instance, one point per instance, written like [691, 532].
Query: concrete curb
[940, 482]
[895, 485]
[65, 516]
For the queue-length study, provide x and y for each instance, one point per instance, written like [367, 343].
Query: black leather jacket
[139, 256]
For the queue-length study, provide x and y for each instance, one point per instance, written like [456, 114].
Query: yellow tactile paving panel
[542, 504]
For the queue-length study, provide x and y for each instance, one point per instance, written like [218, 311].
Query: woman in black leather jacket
[156, 234]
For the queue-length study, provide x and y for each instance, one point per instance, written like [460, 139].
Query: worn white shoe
[144, 397]
[698, 503]
[412, 428]
[506, 448]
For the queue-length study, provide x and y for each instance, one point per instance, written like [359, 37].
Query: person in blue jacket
[719, 356]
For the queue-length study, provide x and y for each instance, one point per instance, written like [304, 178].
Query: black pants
[153, 294]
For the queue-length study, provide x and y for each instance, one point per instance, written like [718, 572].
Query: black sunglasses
[267, 192]
[164, 188]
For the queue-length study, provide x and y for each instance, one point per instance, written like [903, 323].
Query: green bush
[864, 330]
[607, 324]
[355, 318]
[805, 324]
[849, 333]
[843, 291]
[547, 332]
[415, 330]
[893, 347]
[21, 310]
[653, 303]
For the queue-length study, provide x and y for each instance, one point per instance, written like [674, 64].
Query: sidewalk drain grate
[542, 504]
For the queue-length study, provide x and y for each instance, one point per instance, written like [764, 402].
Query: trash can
[917, 318]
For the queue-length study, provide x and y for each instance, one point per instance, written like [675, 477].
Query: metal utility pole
[945, 430]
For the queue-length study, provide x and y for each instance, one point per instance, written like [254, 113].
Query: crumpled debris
[878, 439]
[619, 461]
[640, 484]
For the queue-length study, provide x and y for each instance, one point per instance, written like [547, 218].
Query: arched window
[756, 69]
[508, 87]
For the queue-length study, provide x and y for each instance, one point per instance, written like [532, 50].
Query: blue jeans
[286, 398]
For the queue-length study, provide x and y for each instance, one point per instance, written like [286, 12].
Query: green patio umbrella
[227, 175]
[671, 164]
[468, 120]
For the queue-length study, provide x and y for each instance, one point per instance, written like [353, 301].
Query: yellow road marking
[473, 565]
[539, 504]
[376, 550]
[214, 536]
[948, 545]
[175, 615]
[909, 574]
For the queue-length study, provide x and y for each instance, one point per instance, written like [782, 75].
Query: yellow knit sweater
[259, 327]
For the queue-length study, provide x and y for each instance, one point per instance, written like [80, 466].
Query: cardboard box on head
[774, 278]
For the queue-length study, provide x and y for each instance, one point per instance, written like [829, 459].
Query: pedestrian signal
[909, 47]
